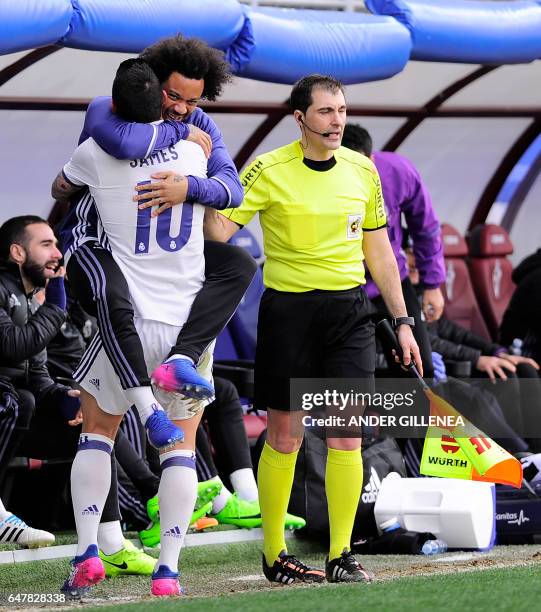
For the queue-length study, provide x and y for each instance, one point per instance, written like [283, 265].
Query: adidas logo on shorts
[95, 382]
[91, 510]
[371, 490]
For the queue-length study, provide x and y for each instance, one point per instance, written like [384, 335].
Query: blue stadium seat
[245, 239]
[243, 324]
[234, 354]
[225, 348]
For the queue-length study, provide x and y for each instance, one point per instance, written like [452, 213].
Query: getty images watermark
[332, 400]
[349, 407]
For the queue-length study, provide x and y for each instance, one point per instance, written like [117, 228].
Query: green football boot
[151, 537]
[246, 514]
[240, 513]
[206, 492]
[200, 512]
[129, 560]
[293, 522]
[153, 509]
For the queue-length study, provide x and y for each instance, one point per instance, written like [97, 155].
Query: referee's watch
[402, 321]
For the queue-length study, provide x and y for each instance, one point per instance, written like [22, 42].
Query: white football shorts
[96, 375]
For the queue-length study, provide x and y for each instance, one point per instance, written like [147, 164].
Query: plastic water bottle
[516, 347]
[391, 524]
[434, 547]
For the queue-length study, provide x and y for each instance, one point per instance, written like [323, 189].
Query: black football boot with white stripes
[13, 530]
[346, 569]
[287, 569]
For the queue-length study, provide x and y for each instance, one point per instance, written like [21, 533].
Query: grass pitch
[229, 578]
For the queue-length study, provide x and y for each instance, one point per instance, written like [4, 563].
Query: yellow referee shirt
[312, 221]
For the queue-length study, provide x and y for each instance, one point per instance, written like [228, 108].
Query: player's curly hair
[192, 58]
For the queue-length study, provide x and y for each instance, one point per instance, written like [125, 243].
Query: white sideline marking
[457, 557]
[191, 539]
[223, 537]
[249, 578]
[37, 554]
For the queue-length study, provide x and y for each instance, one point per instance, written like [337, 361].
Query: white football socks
[110, 537]
[90, 483]
[219, 502]
[244, 484]
[177, 494]
[144, 400]
[178, 356]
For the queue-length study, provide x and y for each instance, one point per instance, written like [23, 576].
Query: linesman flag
[464, 451]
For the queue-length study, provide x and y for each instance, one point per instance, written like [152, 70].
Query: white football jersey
[162, 257]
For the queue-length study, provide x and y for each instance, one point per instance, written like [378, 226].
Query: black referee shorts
[316, 334]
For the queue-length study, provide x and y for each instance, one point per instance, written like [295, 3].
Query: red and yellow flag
[464, 451]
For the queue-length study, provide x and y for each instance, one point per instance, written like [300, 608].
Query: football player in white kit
[162, 260]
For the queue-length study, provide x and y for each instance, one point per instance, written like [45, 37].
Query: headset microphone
[324, 134]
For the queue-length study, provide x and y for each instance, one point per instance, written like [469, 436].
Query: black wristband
[402, 321]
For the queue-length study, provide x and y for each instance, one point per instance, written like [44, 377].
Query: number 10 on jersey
[163, 228]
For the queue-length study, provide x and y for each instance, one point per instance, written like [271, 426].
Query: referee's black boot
[287, 569]
[346, 568]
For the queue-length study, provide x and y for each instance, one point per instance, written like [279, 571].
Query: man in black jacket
[29, 261]
[522, 319]
[507, 410]
[515, 377]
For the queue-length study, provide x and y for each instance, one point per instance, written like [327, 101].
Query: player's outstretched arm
[222, 189]
[126, 140]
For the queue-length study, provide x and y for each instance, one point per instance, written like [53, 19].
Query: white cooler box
[459, 512]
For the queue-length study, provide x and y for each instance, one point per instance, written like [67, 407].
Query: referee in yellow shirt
[321, 211]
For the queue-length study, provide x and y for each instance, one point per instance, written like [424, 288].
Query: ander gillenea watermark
[347, 407]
